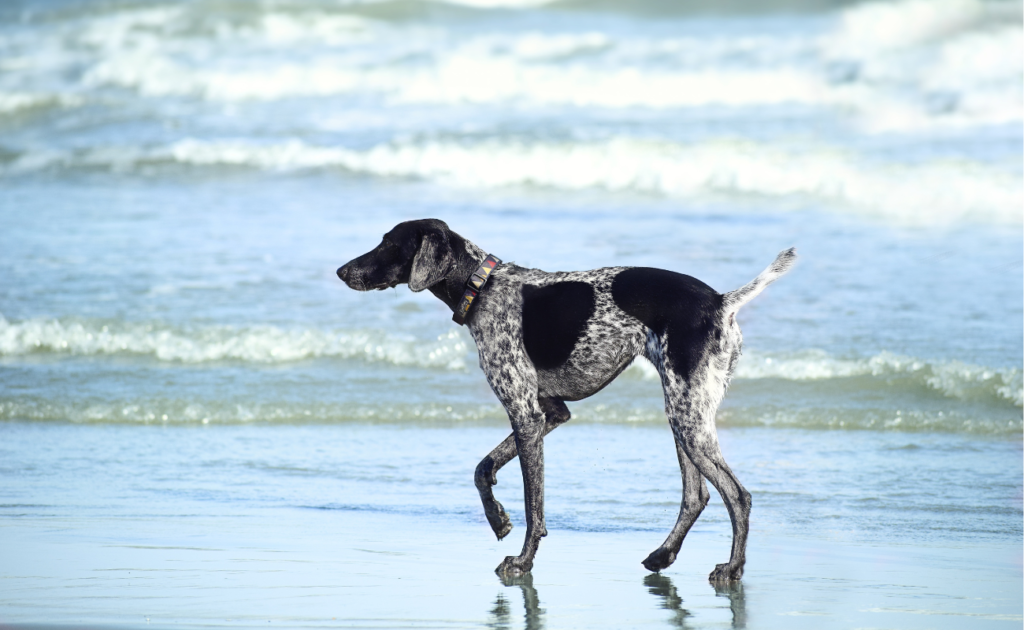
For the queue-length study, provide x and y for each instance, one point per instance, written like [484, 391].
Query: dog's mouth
[356, 280]
[379, 286]
[382, 286]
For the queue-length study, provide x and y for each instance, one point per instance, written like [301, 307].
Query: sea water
[179, 182]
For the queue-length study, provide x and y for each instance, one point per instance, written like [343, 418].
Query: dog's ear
[433, 260]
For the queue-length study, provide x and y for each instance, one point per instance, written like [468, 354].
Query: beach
[299, 526]
[202, 426]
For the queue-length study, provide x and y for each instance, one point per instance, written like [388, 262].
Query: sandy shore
[331, 568]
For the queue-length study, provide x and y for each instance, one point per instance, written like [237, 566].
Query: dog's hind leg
[695, 490]
[691, 401]
[692, 417]
[702, 448]
[486, 475]
[695, 498]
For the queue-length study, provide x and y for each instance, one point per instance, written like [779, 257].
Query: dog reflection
[657, 584]
[501, 614]
[661, 585]
[737, 601]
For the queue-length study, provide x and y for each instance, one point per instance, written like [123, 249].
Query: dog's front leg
[514, 381]
[529, 437]
[486, 475]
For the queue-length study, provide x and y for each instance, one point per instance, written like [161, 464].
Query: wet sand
[314, 568]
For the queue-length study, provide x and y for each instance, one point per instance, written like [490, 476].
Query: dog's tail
[734, 300]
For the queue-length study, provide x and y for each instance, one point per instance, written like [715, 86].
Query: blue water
[180, 180]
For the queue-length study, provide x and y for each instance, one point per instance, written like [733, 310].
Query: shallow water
[188, 391]
[378, 526]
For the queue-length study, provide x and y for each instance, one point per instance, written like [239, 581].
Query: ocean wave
[914, 64]
[893, 65]
[872, 420]
[927, 194]
[579, 69]
[952, 379]
[239, 412]
[22, 102]
[255, 344]
[453, 351]
[231, 412]
[906, 23]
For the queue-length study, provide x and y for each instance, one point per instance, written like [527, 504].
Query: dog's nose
[343, 273]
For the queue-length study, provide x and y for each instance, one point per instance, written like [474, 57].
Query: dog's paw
[659, 559]
[504, 530]
[513, 566]
[499, 521]
[726, 573]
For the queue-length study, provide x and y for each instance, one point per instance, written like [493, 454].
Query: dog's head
[414, 252]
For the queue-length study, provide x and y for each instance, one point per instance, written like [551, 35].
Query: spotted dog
[546, 338]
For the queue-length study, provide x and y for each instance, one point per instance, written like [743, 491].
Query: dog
[547, 338]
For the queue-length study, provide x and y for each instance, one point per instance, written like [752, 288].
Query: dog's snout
[343, 273]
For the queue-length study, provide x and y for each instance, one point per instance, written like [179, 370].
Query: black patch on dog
[554, 317]
[673, 303]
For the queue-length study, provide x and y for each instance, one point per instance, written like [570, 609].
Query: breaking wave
[952, 379]
[256, 344]
[453, 351]
[894, 65]
[930, 193]
[192, 412]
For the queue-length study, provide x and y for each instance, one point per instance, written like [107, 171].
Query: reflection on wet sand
[661, 585]
[737, 602]
[501, 616]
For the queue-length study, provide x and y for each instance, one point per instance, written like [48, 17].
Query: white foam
[221, 411]
[164, 411]
[483, 70]
[927, 194]
[906, 23]
[500, 4]
[954, 379]
[256, 344]
[871, 420]
[914, 64]
[16, 102]
[931, 63]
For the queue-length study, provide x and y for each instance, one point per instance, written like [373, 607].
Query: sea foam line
[954, 379]
[930, 193]
[227, 412]
[909, 64]
[453, 351]
[950, 378]
[255, 344]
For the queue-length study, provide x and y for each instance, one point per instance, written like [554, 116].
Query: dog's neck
[467, 258]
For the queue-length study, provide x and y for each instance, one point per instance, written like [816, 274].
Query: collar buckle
[474, 286]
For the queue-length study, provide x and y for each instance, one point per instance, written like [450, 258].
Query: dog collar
[474, 286]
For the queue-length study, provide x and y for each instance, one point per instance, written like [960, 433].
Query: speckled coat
[546, 338]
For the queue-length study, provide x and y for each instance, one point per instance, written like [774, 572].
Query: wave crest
[927, 194]
[256, 344]
[953, 379]
[191, 412]
[453, 351]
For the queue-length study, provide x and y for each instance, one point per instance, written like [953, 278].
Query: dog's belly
[581, 377]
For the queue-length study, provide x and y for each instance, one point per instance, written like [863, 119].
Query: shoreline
[312, 569]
